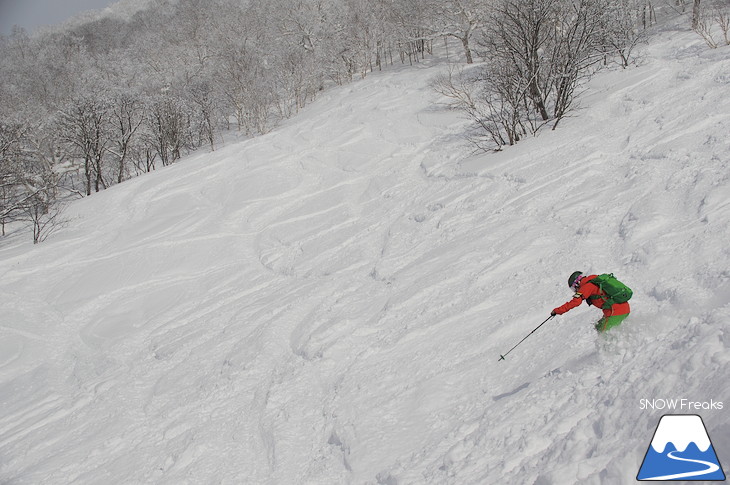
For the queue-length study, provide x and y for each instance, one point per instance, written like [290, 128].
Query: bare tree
[708, 18]
[83, 125]
[722, 17]
[168, 120]
[622, 34]
[126, 116]
[577, 42]
[460, 19]
[522, 34]
[43, 208]
[493, 98]
[12, 195]
[536, 56]
[29, 183]
[203, 100]
[696, 13]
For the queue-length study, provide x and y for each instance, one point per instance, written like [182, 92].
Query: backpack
[615, 291]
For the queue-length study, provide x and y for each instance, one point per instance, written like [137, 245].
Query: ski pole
[501, 357]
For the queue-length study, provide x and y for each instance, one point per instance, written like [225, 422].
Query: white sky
[31, 14]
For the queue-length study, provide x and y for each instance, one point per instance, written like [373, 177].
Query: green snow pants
[607, 323]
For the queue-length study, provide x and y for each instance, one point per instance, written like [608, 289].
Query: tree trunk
[467, 50]
[695, 14]
[87, 173]
[120, 173]
[98, 183]
[536, 95]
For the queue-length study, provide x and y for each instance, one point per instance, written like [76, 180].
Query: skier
[586, 290]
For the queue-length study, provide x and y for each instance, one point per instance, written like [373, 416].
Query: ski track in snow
[327, 303]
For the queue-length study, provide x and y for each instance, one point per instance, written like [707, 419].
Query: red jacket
[586, 290]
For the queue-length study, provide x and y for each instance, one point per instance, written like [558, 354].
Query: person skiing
[585, 290]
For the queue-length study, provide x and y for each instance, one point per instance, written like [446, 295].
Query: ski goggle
[576, 283]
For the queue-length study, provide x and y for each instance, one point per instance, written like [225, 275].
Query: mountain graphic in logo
[681, 450]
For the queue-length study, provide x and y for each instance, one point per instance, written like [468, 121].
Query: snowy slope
[327, 303]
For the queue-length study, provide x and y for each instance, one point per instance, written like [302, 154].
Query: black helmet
[573, 278]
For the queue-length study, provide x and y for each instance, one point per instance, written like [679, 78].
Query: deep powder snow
[327, 303]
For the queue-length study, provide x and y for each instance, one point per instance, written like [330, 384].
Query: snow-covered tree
[460, 19]
[83, 125]
[126, 115]
[12, 194]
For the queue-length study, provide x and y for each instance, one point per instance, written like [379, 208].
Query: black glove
[552, 313]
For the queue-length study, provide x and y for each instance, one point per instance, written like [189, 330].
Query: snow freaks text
[679, 404]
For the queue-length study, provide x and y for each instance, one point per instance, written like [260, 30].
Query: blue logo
[681, 450]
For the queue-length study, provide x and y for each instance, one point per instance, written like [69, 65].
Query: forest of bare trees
[536, 56]
[90, 105]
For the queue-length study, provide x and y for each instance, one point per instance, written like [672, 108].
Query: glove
[552, 313]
